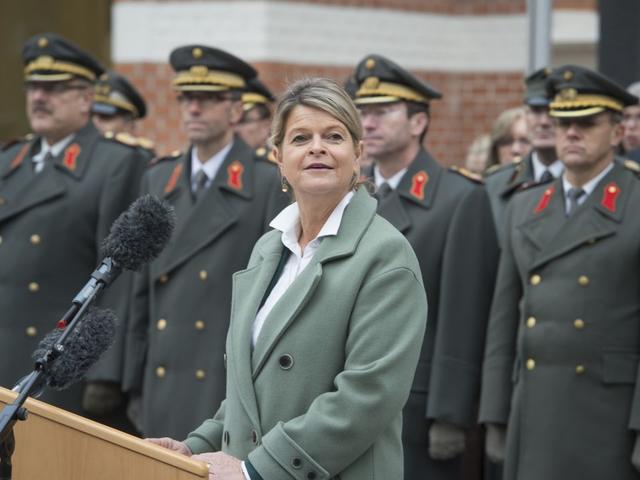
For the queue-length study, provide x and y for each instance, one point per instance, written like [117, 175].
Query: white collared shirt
[288, 222]
[55, 149]
[392, 181]
[210, 167]
[588, 187]
[556, 168]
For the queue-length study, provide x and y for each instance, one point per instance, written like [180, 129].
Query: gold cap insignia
[104, 77]
[568, 94]
[371, 82]
[43, 42]
[197, 52]
[370, 63]
[547, 71]
[567, 75]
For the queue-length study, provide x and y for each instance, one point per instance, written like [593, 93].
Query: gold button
[0, 239]
[31, 331]
[160, 372]
[535, 279]
[203, 275]
[34, 287]
[162, 324]
[199, 325]
[200, 374]
[578, 323]
[35, 239]
[580, 369]
[531, 322]
[531, 364]
[583, 280]
[109, 135]
[164, 278]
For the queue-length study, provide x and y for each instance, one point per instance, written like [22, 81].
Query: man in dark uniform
[60, 190]
[224, 199]
[255, 124]
[446, 216]
[561, 362]
[117, 108]
[541, 165]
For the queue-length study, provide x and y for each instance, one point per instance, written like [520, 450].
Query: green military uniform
[181, 303]
[446, 216]
[563, 344]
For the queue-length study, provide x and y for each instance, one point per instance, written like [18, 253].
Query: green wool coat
[320, 396]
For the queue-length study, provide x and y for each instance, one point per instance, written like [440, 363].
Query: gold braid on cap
[569, 99]
[46, 62]
[117, 100]
[201, 78]
[373, 87]
[253, 98]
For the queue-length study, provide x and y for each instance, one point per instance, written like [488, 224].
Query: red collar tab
[418, 182]
[70, 155]
[173, 179]
[609, 196]
[234, 172]
[544, 200]
[17, 160]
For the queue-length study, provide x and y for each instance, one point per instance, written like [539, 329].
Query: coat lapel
[547, 216]
[521, 178]
[75, 157]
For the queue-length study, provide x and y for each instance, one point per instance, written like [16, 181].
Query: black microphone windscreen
[140, 233]
[84, 346]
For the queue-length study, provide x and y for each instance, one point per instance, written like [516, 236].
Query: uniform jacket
[321, 394]
[51, 226]
[181, 302]
[564, 337]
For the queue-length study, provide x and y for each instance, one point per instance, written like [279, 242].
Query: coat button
[162, 324]
[535, 279]
[160, 372]
[224, 360]
[203, 275]
[225, 437]
[31, 331]
[286, 361]
[254, 437]
[200, 374]
[578, 323]
[0, 239]
[296, 462]
[580, 369]
[35, 239]
[34, 287]
[199, 325]
[583, 280]
[164, 278]
[531, 364]
[531, 322]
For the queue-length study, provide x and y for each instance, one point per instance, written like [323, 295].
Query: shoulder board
[175, 154]
[474, 177]
[16, 141]
[124, 138]
[146, 143]
[266, 154]
[631, 165]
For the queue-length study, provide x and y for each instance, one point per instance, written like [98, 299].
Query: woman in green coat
[327, 321]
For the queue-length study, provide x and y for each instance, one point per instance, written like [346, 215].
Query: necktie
[38, 165]
[200, 182]
[383, 191]
[546, 176]
[574, 195]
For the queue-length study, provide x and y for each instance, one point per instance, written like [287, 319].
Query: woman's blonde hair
[322, 94]
[501, 131]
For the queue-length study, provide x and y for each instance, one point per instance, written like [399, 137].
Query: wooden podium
[53, 444]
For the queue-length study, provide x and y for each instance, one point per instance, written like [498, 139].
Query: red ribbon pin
[609, 196]
[544, 200]
[17, 160]
[418, 182]
[173, 179]
[70, 155]
[235, 175]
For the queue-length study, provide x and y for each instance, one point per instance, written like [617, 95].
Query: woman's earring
[284, 185]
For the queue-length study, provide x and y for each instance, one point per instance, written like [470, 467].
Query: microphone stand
[106, 272]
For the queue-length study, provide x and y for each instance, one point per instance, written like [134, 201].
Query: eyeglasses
[53, 88]
[202, 98]
[379, 111]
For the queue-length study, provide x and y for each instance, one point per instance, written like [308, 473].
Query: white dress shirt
[588, 188]
[55, 149]
[210, 167]
[288, 222]
[392, 181]
[556, 168]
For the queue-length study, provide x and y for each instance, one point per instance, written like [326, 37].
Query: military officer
[224, 199]
[541, 165]
[117, 108]
[60, 190]
[561, 362]
[446, 216]
[255, 123]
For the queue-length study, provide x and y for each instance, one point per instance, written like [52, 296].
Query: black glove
[102, 398]
[446, 440]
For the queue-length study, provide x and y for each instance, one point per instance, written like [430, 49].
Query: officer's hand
[446, 440]
[102, 398]
[635, 456]
[495, 442]
[171, 444]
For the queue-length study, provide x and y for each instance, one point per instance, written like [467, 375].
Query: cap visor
[103, 109]
[584, 112]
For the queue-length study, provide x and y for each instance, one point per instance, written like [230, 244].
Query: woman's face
[317, 155]
[517, 144]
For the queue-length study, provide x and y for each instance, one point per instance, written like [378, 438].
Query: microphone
[92, 337]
